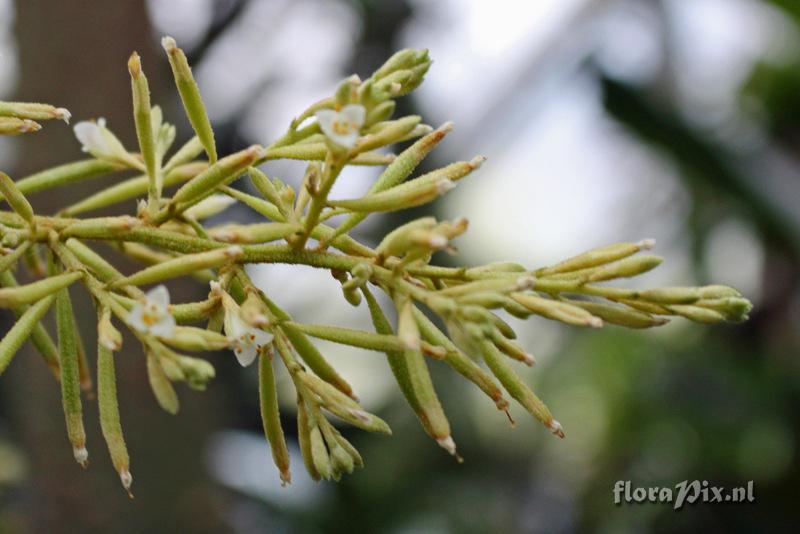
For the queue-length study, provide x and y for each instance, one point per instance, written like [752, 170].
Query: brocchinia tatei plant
[442, 313]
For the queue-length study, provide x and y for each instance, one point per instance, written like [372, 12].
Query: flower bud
[33, 111]
[22, 329]
[625, 268]
[101, 143]
[182, 266]
[15, 198]
[190, 96]
[15, 126]
[161, 385]
[13, 297]
[597, 256]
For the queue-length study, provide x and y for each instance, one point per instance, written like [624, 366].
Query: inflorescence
[443, 313]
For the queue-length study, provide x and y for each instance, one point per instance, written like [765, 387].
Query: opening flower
[247, 341]
[342, 127]
[98, 140]
[152, 315]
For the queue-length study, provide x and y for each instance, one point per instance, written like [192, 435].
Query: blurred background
[603, 120]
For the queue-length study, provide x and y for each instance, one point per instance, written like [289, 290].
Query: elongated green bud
[34, 111]
[40, 338]
[500, 285]
[516, 387]
[407, 58]
[15, 198]
[459, 361]
[625, 268]
[190, 96]
[674, 295]
[161, 385]
[343, 406]
[189, 151]
[392, 132]
[437, 425]
[396, 359]
[132, 188]
[697, 313]
[70, 376]
[352, 337]
[265, 187]
[181, 266]
[255, 233]
[319, 453]
[101, 227]
[597, 256]
[109, 416]
[13, 297]
[396, 199]
[319, 151]
[558, 311]
[144, 126]
[511, 349]
[221, 173]
[379, 113]
[107, 335]
[67, 174]
[341, 461]
[304, 438]
[22, 330]
[399, 170]
[270, 417]
[15, 126]
[196, 339]
[209, 207]
[357, 460]
[618, 315]
[732, 308]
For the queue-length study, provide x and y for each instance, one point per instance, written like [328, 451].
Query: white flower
[98, 140]
[247, 341]
[152, 316]
[342, 127]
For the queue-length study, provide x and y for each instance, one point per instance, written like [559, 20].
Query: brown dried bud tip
[556, 428]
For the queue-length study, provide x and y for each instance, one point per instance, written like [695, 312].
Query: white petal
[159, 296]
[135, 318]
[236, 326]
[354, 114]
[164, 328]
[246, 356]
[262, 338]
[325, 118]
[86, 132]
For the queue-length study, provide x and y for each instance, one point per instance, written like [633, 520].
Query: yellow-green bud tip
[135, 65]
